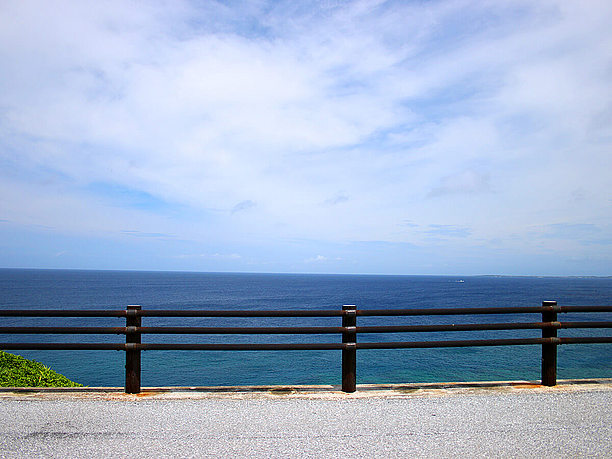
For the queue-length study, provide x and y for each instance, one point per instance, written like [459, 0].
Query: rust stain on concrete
[304, 392]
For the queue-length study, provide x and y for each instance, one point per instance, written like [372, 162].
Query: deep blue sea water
[71, 289]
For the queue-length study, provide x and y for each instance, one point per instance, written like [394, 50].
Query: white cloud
[469, 181]
[317, 259]
[213, 256]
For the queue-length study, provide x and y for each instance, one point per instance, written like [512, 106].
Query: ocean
[81, 289]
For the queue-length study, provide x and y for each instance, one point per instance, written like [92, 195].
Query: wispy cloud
[322, 259]
[337, 199]
[317, 259]
[448, 230]
[211, 256]
[146, 234]
[582, 233]
[463, 182]
[243, 205]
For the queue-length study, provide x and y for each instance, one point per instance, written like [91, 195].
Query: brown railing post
[349, 356]
[549, 351]
[132, 356]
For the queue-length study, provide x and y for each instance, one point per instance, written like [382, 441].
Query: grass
[16, 371]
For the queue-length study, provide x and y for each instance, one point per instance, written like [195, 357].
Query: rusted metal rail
[133, 331]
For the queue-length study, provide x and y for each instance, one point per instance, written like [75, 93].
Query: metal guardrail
[349, 330]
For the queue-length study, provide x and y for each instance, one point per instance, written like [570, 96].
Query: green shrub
[15, 371]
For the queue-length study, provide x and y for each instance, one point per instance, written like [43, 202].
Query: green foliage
[15, 371]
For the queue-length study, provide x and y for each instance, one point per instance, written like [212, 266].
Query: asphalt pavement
[521, 421]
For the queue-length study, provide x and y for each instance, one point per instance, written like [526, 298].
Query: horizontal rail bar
[169, 313]
[64, 346]
[240, 313]
[301, 330]
[585, 324]
[175, 347]
[584, 308]
[483, 342]
[480, 327]
[301, 346]
[447, 311]
[242, 330]
[62, 313]
[585, 340]
[459, 343]
[475, 311]
[173, 330]
[64, 330]
[243, 347]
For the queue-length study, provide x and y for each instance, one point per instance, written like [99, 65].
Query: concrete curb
[304, 391]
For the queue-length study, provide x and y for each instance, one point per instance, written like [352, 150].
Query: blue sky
[409, 137]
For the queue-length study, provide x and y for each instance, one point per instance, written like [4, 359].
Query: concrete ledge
[305, 391]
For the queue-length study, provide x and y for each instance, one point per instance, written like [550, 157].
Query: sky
[379, 137]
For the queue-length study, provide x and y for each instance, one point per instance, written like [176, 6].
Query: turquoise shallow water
[172, 290]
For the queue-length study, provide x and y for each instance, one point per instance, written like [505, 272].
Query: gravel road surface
[478, 423]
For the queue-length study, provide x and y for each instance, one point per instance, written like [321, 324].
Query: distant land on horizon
[313, 274]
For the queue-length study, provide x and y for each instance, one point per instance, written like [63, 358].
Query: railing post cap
[133, 306]
[549, 303]
[348, 306]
